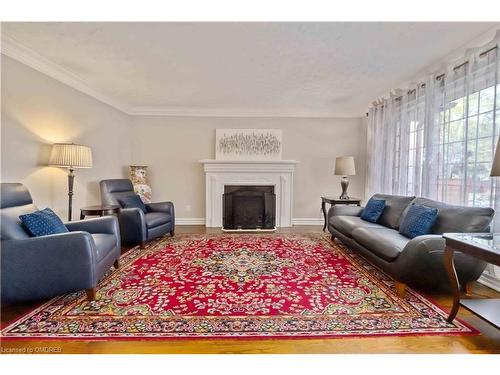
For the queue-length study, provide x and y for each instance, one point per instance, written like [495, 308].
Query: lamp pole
[71, 180]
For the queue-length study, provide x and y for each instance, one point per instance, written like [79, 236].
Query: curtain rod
[482, 54]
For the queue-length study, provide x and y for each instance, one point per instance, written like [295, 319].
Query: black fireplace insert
[249, 207]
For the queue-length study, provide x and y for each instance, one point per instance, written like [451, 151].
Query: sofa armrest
[132, 225]
[163, 207]
[421, 247]
[421, 261]
[106, 224]
[40, 267]
[344, 210]
[428, 243]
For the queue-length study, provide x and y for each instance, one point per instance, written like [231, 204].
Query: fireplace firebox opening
[249, 207]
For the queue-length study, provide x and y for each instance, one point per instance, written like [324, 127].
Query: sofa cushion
[154, 219]
[346, 224]
[104, 243]
[418, 220]
[43, 223]
[395, 205]
[458, 219]
[373, 210]
[383, 242]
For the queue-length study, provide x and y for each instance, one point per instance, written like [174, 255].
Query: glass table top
[490, 241]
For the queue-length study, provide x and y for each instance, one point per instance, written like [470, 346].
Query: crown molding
[234, 112]
[15, 50]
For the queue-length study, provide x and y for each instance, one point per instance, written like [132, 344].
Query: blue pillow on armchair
[373, 210]
[132, 201]
[418, 221]
[43, 223]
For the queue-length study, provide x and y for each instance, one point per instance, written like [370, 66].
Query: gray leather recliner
[34, 268]
[135, 225]
[418, 261]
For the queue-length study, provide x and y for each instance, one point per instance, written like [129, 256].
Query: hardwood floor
[487, 342]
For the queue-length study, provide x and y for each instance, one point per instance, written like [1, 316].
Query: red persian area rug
[233, 285]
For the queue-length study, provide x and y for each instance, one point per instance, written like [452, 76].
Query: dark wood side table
[98, 211]
[335, 201]
[484, 246]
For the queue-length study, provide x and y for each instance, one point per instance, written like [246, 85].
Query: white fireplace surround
[278, 173]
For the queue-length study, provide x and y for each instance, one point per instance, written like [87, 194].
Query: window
[467, 142]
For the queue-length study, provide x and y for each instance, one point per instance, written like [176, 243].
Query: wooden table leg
[452, 276]
[323, 208]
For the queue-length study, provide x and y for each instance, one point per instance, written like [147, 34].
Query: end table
[484, 246]
[335, 201]
[98, 211]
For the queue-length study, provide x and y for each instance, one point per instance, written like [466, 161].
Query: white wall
[172, 147]
[38, 111]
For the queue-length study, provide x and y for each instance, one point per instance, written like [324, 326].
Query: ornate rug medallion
[238, 286]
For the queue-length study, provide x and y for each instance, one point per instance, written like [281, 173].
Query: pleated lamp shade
[70, 155]
[495, 169]
[344, 166]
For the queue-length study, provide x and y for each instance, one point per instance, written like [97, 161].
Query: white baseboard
[307, 221]
[190, 221]
[490, 281]
[201, 221]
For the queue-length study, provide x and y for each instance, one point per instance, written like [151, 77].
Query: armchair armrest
[132, 225]
[106, 224]
[163, 207]
[160, 207]
[344, 210]
[40, 267]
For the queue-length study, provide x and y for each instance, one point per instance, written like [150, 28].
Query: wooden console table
[484, 246]
[333, 202]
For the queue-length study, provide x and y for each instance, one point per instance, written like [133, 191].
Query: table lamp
[344, 166]
[71, 156]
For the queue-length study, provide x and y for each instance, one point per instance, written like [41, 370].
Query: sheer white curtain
[438, 139]
[396, 143]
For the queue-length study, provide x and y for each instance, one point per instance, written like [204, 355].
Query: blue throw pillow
[132, 201]
[373, 210]
[43, 223]
[418, 221]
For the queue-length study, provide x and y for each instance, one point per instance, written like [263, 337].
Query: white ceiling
[282, 69]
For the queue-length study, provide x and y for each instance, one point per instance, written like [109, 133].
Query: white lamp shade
[70, 155]
[344, 166]
[495, 169]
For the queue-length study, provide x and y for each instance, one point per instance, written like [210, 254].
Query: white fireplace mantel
[278, 173]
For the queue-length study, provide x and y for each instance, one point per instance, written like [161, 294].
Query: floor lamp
[71, 156]
[495, 168]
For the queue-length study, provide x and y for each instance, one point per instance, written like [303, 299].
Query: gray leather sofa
[418, 261]
[41, 267]
[135, 225]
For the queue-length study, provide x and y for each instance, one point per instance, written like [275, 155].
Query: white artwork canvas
[248, 144]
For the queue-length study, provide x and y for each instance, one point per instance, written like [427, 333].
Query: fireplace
[249, 207]
[221, 173]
